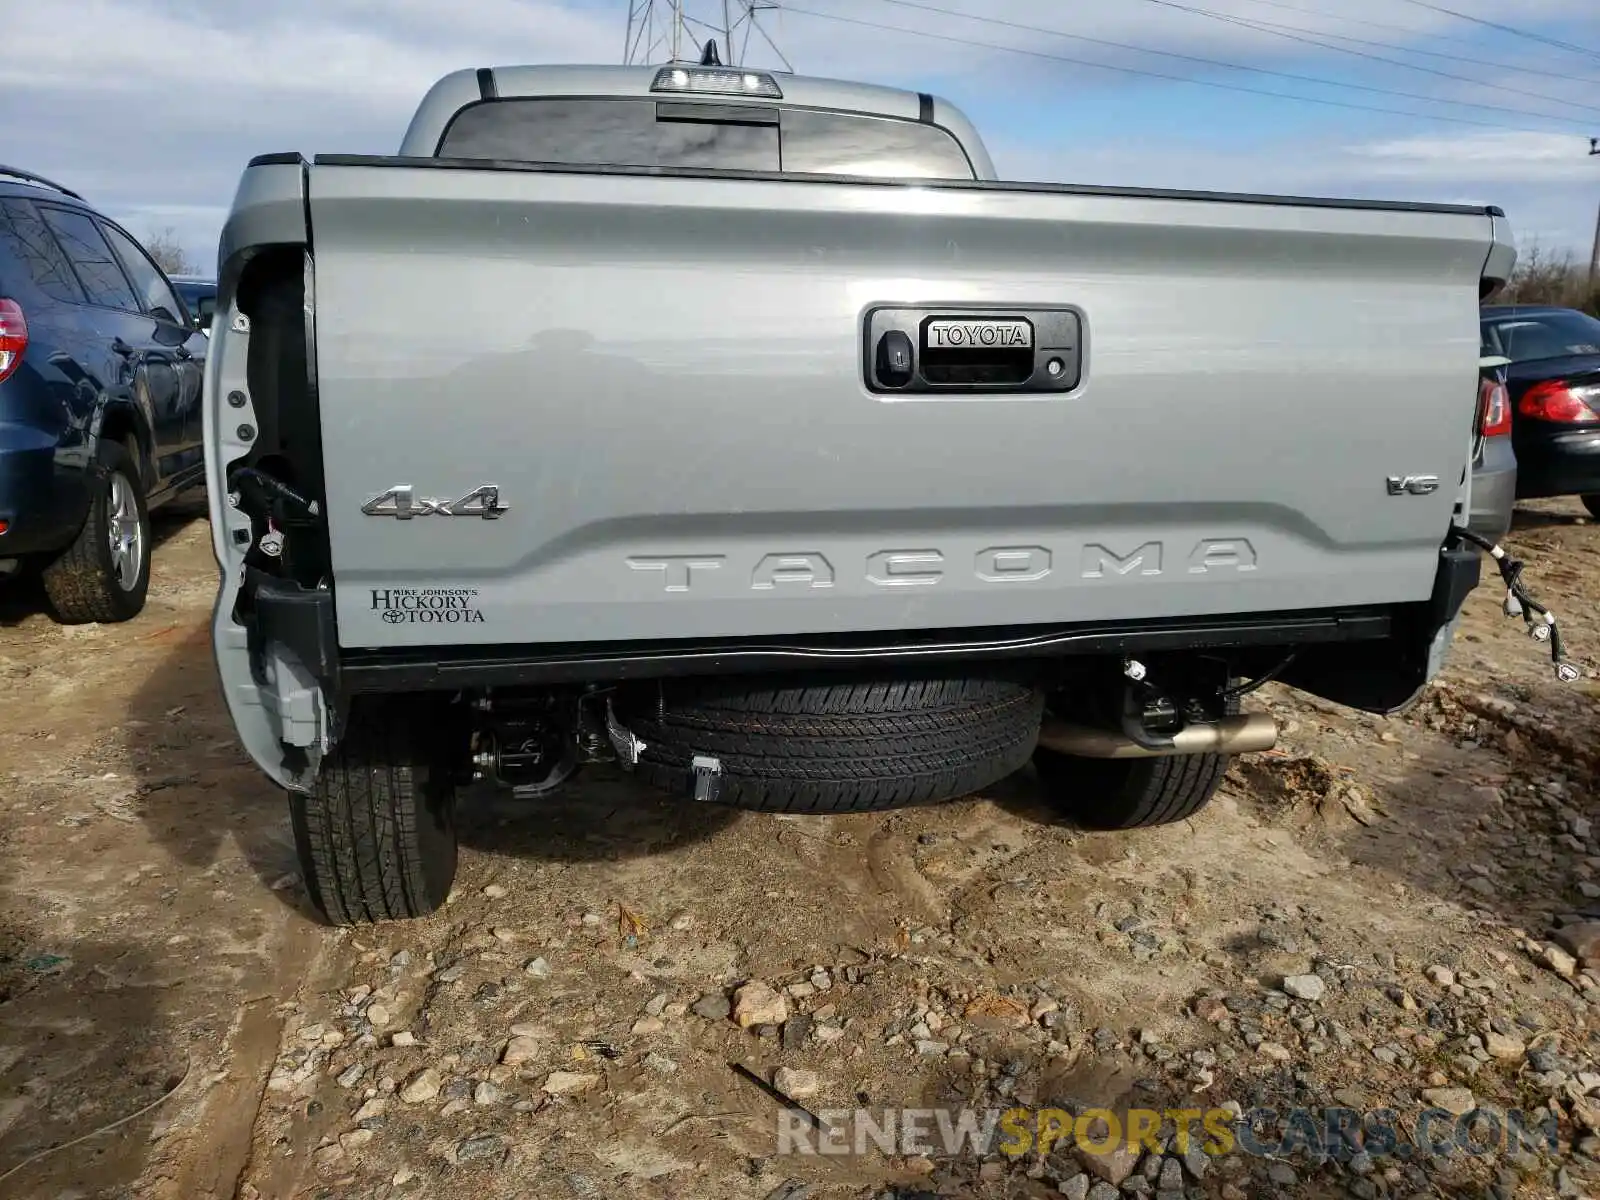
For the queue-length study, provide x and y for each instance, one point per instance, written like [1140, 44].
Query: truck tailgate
[665, 379]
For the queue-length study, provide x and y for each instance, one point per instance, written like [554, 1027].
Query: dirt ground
[562, 1029]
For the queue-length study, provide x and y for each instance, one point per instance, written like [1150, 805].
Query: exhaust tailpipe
[1250, 733]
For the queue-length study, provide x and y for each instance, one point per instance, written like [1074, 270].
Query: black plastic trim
[435, 668]
[925, 108]
[1059, 189]
[486, 85]
[279, 158]
[302, 619]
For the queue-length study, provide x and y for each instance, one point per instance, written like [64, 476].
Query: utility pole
[656, 30]
[1594, 255]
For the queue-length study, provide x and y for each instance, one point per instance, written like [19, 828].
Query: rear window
[1528, 337]
[27, 245]
[660, 133]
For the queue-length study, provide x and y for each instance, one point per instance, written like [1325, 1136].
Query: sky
[151, 108]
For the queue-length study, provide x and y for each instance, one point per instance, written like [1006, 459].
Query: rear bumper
[286, 678]
[42, 501]
[1564, 463]
[1494, 489]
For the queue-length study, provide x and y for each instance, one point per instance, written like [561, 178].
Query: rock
[801, 1085]
[796, 1030]
[355, 1139]
[932, 1049]
[1104, 1191]
[487, 1093]
[1171, 1176]
[1282, 1174]
[713, 1007]
[403, 1176]
[485, 1145]
[538, 968]
[562, 1083]
[372, 1109]
[1275, 1051]
[1310, 988]
[1454, 1100]
[1197, 1162]
[656, 1005]
[1076, 1188]
[592, 920]
[660, 1064]
[495, 892]
[1211, 1010]
[757, 1003]
[1443, 976]
[1581, 940]
[422, 1087]
[351, 1075]
[404, 1038]
[1559, 961]
[1114, 1167]
[520, 1050]
[501, 934]
[1504, 1048]
[645, 1026]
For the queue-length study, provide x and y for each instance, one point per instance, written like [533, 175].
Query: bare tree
[164, 247]
[1545, 278]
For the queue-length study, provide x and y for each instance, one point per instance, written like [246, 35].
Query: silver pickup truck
[742, 430]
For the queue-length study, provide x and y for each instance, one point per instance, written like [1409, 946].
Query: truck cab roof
[466, 89]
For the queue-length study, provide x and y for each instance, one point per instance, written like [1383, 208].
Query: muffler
[1250, 733]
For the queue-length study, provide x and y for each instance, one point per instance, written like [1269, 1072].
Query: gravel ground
[1383, 914]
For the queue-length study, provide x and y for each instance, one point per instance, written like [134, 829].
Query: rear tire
[843, 747]
[1592, 503]
[1129, 793]
[376, 837]
[104, 575]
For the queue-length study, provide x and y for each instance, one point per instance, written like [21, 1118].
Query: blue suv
[100, 379]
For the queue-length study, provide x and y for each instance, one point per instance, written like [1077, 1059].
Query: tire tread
[364, 848]
[840, 747]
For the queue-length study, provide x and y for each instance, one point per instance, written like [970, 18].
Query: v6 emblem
[1413, 485]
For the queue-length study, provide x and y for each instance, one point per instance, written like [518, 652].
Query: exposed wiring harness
[1260, 681]
[1541, 622]
[274, 487]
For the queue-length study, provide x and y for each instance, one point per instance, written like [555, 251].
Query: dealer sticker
[427, 606]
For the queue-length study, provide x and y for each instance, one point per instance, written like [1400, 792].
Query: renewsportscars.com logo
[1335, 1133]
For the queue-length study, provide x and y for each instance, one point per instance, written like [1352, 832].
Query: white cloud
[152, 107]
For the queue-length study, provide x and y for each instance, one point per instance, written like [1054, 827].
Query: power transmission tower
[664, 30]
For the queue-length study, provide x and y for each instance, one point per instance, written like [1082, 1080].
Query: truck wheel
[104, 575]
[376, 837]
[839, 747]
[1129, 793]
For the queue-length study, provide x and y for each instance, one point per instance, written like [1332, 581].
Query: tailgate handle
[981, 351]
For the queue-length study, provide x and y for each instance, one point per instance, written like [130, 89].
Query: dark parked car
[1554, 385]
[201, 297]
[100, 376]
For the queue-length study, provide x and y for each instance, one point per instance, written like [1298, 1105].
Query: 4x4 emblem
[402, 502]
